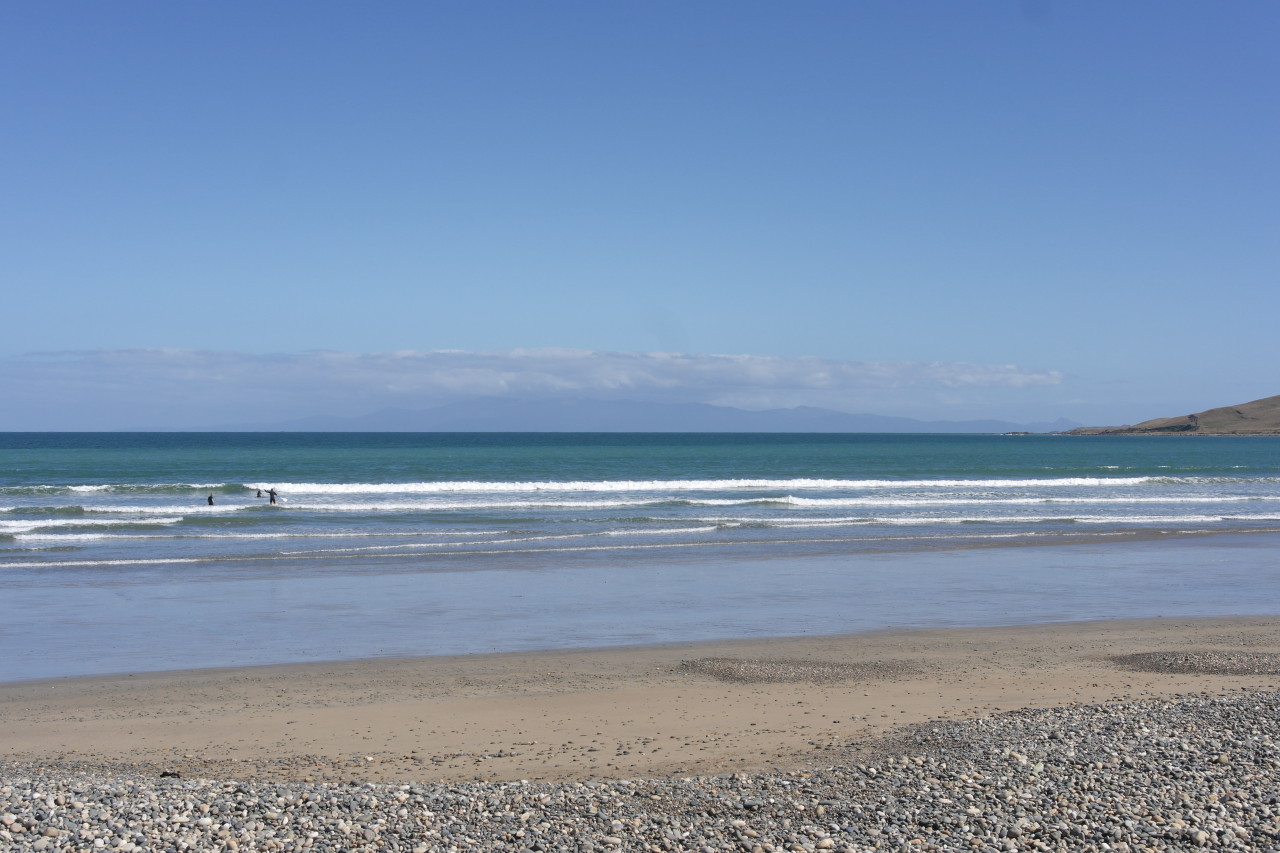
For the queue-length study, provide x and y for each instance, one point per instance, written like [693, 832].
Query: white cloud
[179, 387]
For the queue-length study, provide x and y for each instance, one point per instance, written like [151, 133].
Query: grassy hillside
[1260, 417]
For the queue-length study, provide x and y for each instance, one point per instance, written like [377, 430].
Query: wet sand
[653, 711]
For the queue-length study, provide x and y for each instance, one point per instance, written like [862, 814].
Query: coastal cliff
[1259, 417]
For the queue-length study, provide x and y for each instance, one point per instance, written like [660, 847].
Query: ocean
[113, 559]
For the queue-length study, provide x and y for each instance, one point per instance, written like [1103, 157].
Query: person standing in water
[271, 496]
[211, 499]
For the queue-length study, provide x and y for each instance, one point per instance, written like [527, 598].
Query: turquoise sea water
[394, 543]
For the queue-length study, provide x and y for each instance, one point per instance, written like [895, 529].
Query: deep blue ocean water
[394, 543]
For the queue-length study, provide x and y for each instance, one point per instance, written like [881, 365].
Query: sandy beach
[645, 712]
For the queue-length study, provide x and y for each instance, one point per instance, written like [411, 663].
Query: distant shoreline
[1166, 434]
[1257, 417]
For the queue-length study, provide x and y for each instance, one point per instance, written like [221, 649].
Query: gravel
[1203, 663]
[768, 670]
[1197, 771]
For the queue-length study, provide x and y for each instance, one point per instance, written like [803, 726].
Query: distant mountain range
[492, 414]
[1259, 417]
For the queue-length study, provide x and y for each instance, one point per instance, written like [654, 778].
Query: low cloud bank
[167, 387]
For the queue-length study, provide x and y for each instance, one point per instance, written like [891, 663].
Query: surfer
[211, 499]
[259, 492]
[271, 496]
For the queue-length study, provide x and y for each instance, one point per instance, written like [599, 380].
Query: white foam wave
[484, 503]
[168, 537]
[520, 540]
[133, 487]
[1078, 519]
[478, 502]
[514, 540]
[1175, 519]
[480, 487]
[922, 520]
[167, 509]
[437, 505]
[1033, 500]
[73, 563]
[420, 505]
[27, 525]
[720, 543]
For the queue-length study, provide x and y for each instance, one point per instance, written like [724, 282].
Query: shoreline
[681, 709]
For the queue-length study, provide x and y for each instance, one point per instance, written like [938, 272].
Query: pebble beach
[1182, 751]
[1154, 775]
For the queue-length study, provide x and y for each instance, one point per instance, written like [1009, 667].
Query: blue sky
[939, 210]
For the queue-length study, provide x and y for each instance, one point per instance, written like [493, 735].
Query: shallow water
[394, 544]
[271, 613]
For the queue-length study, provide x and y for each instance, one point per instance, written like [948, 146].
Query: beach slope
[1155, 735]
[606, 713]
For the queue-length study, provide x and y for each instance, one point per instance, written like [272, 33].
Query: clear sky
[1016, 210]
